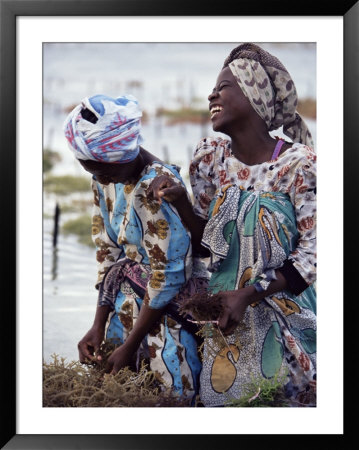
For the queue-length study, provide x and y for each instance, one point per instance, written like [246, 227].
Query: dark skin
[251, 144]
[89, 345]
[127, 173]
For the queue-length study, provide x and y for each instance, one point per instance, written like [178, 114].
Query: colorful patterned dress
[152, 249]
[260, 218]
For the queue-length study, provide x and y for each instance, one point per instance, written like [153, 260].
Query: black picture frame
[9, 11]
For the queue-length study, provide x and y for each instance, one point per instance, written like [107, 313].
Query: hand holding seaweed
[234, 305]
[89, 346]
[120, 358]
[208, 310]
[202, 306]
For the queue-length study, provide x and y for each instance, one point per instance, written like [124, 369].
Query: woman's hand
[89, 346]
[234, 306]
[165, 187]
[120, 358]
[236, 302]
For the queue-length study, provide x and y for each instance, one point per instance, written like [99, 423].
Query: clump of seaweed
[74, 384]
[203, 306]
[262, 392]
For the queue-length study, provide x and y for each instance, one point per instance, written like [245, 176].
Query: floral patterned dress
[155, 249]
[293, 173]
[260, 218]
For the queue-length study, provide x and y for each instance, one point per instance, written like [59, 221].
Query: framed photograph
[52, 53]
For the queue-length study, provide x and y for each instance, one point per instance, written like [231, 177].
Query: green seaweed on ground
[262, 392]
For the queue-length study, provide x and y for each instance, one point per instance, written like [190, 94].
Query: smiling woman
[237, 104]
[255, 213]
[143, 250]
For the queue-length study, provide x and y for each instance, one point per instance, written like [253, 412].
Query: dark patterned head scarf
[270, 89]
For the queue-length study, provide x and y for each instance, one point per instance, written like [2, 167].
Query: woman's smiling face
[228, 106]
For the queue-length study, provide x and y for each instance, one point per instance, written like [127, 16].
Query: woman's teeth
[215, 110]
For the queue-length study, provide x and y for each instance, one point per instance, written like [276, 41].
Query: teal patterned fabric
[278, 334]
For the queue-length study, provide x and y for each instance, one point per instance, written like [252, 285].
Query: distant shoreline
[306, 108]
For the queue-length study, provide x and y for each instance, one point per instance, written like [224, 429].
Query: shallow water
[69, 296]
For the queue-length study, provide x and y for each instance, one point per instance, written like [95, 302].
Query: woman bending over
[143, 250]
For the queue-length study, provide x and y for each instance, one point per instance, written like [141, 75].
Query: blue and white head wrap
[114, 138]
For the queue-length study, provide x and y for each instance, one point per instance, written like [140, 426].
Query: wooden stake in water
[56, 225]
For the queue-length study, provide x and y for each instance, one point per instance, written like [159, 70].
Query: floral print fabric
[293, 172]
[152, 242]
[127, 223]
[170, 349]
[277, 334]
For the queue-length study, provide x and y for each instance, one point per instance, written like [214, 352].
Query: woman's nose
[213, 94]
